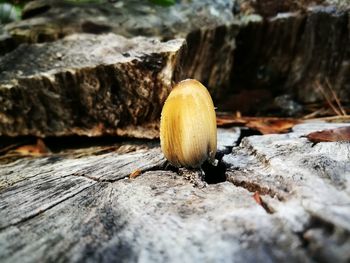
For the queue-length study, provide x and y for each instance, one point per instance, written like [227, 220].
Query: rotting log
[285, 200]
[87, 85]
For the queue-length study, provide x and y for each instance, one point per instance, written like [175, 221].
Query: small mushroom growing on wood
[188, 126]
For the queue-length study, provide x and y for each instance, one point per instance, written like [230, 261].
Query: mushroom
[188, 126]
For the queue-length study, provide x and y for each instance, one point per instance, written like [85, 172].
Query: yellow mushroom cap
[188, 125]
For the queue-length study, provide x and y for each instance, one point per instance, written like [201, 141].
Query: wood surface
[285, 199]
[87, 85]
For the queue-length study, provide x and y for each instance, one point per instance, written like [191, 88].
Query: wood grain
[87, 85]
[63, 209]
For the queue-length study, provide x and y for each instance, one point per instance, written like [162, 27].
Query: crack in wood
[254, 187]
[87, 176]
[318, 231]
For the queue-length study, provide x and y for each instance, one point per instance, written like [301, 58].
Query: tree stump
[284, 199]
[72, 72]
[87, 85]
[233, 46]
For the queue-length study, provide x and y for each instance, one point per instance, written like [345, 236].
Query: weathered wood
[305, 184]
[61, 209]
[282, 48]
[289, 49]
[56, 179]
[285, 198]
[227, 138]
[209, 29]
[87, 85]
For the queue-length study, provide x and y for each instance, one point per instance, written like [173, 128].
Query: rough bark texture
[281, 47]
[208, 27]
[68, 209]
[290, 52]
[88, 85]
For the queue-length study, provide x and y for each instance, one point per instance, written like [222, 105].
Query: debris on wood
[265, 125]
[341, 134]
[33, 150]
[135, 173]
[257, 198]
[338, 107]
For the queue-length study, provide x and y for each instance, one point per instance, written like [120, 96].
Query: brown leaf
[331, 135]
[37, 149]
[224, 121]
[270, 125]
[135, 173]
[265, 125]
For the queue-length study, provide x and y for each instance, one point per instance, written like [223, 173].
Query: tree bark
[296, 53]
[268, 47]
[208, 27]
[87, 85]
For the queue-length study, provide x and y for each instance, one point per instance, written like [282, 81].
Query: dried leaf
[265, 125]
[229, 120]
[269, 126]
[37, 149]
[135, 173]
[331, 135]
